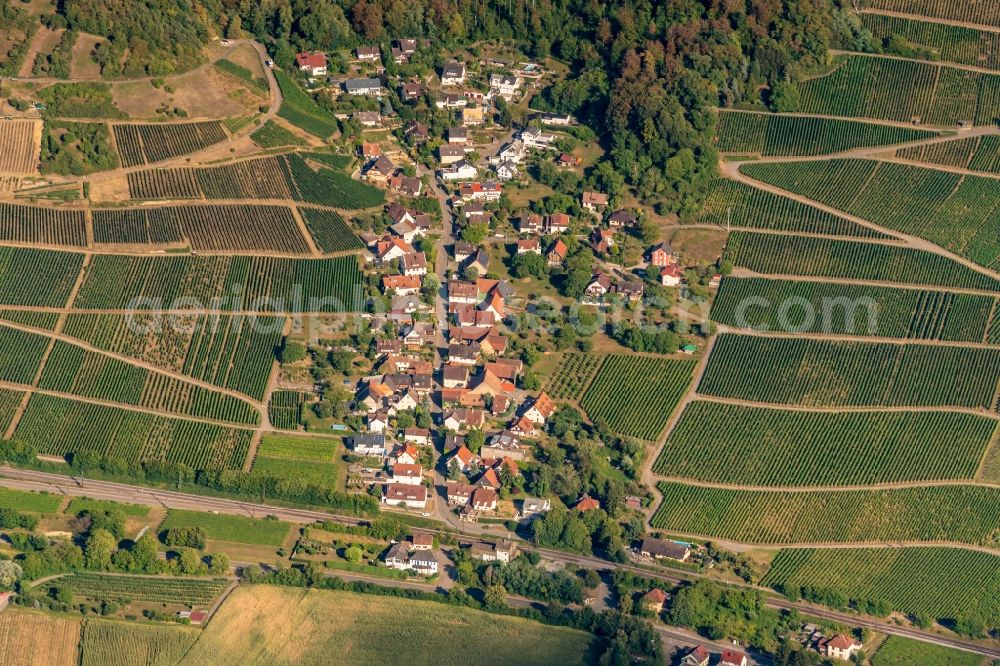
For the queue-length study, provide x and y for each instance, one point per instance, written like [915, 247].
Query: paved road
[33, 480]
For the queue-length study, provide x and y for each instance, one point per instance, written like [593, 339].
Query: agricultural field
[112, 643]
[897, 651]
[769, 134]
[311, 459]
[10, 400]
[908, 579]
[983, 13]
[78, 504]
[329, 230]
[635, 395]
[823, 373]
[44, 278]
[60, 426]
[142, 144]
[284, 409]
[575, 371]
[241, 72]
[21, 366]
[950, 43]
[33, 638]
[769, 254]
[163, 184]
[264, 624]
[977, 153]
[204, 228]
[273, 135]
[145, 589]
[734, 204]
[23, 500]
[902, 197]
[19, 147]
[852, 309]
[300, 447]
[903, 90]
[958, 514]
[235, 352]
[42, 226]
[236, 529]
[75, 370]
[759, 446]
[301, 110]
[230, 283]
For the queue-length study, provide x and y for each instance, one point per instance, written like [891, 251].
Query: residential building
[529, 246]
[654, 600]
[595, 202]
[367, 53]
[451, 101]
[379, 171]
[460, 170]
[541, 409]
[586, 503]
[459, 494]
[484, 499]
[699, 656]
[414, 263]
[562, 119]
[839, 647]
[313, 64]
[534, 137]
[409, 474]
[458, 136]
[557, 223]
[368, 445]
[449, 154]
[671, 276]
[530, 223]
[405, 285]
[370, 150]
[418, 436]
[455, 376]
[363, 87]
[506, 170]
[453, 74]
[425, 562]
[504, 444]
[487, 191]
[733, 658]
[410, 92]
[401, 494]
[422, 541]
[416, 132]
[557, 254]
[662, 255]
[505, 85]
[392, 248]
[464, 418]
[368, 118]
[473, 115]
[621, 218]
[533, 506]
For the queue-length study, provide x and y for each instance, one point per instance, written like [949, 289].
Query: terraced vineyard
[903, 90]
[846, 309]
[60, 426]
[285, 408]
[635, 395]
[783, 447]
[141, 144]
[42, 226]
[228, 283]
[952, 43]
[238, 529]
[902, 197]
[977, 153]
[203, 228]
[769, 134]
[908, 579]
[301, 110]
[823, 373]
[572, 375]
[72, 369]
[330, 231]
[959, 514]
[189, 592]
[954, 10]
[769, 254]
[734, 204]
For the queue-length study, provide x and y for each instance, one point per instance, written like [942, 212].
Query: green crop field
[258, 284]
[33, 277]
[959, 514]
[977, 153]
[635, 395]
[234, 352]
[768, 134]
[49, 226]
[908, 579]
[821, 257]
[33, 318]
[898, 651]
[284, 409]
[78, 504]
[903, 90]
[902, 197]
[330, 231]
[300, 447]
[272, 135]
[322, 474]
[146, 589]
[574, 372]
[60, 426]
[825, 373]
[111, 643]
[951, 43]
[23, 500]
[846, 309]
[780, 447]
[72, 369]
[139, 144]
[301, 110]
[21, 366]
[10, 400]
[237, 529]
[983, 13]
[204, 228]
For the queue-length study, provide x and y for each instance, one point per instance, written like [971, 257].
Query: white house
[453, 74]
[839, 647]
[460, 170]
[425, 562]
[534, 137]
[313, 64]
[368, 445]
[363, 87]
[410, 475]
[506, 170]
[505, 85]
[401, 494]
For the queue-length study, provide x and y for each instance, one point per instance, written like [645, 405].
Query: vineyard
[60, 426]
[30, 277]
[228, 283]
[284, 409]
[898, 651]
[301, 110]
[330, 231]
[235, 352]
[18, 147]
[635, 395]
[846, 309]
[575, 371]
[10, 400]
[163, 184]
[959, 514]
[822, 373]
[822, 257]
[33, 318]
[72, 369]
[24, 352]
[908, 579]
[42, 226]
[236, 529]
[204, 228]
[310, 459]
[768, 134]
[902, 197]
[977, 153]
[111, 643]
[141, 144]
[734, 204]
[958, 44]
[903, 90]
[273, 135]
[779, 447]
[983, 13]
[145, 589]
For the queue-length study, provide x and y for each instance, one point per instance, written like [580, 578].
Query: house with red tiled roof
[557, 254]
[733, 658]
[464, 456]
[839, 647]
[484, 499]
[654, 600]
[313, 64]
[586, 503]
[699, 656]
[409, 474]
[541, 409]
